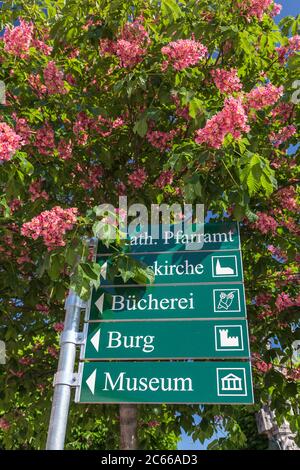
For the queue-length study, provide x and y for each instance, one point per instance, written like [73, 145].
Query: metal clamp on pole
[73, 300]
[63, 378]
[71, 337]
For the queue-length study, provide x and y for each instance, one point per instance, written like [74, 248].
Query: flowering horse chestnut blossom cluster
[232, 119]
[263, 96]
[45, 139]
[183, 53]
[161, 140]
[227, 81]
[130, 46]
[10, 142]
[287, 197]
[283, 135]
[165, 178]
[51, 226]
[284, 52]
[17, 40]
[265, 223]
[137, 178]
[54, 79]
[257, 8]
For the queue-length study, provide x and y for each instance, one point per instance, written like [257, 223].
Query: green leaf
[91, 270]
[56, 264]
[195, 106]
[141, 127]
[171, 9]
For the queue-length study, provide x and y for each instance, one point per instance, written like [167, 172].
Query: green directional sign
[181, 268]
[152, 302]
[167, 339]
[165, 382]
[154, 238]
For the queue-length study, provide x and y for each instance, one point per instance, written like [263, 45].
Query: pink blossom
[52, 351]
[283, 111]
[45, 140]
[70, 79]
[42, 46]
[137, 178]
[58, 327]
[227, 81]
[231, 119]
[35, 190]
[130, 46]
[93, 179]
[287, 198]
[263, 299]
[161, 140]
[4, 424]
[42, 308]
[24, 257]
[129, 53]
[17, 40]
[10, 142]
[277, 7]
[23, 130]
[263, 96]
[81, 126]
[284, 52]
[121, 188]
[54, 79]
[165, 178]
[26, 361]
[283, 302]
[265, 313]
[292, 225]
[259, 364]
[41, 387]
[183, 53]
[37, 85]
[153, 424]
[15, 204]
[181, 111]
[265, 223]
[255, 8]
[17, 373]
[65, 149]
[283, 135]
[135, 31]
[51, 226]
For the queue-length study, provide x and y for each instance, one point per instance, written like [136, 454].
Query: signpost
[182, 339]
[166, 382]
[194, 309]
[214, 237]
[182, 268]
[182, 301]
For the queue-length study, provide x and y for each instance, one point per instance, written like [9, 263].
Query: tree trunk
[128, 427]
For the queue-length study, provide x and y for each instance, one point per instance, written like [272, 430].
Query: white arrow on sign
[99, 303]
[95, 340]
[103, 271]
[91, 381]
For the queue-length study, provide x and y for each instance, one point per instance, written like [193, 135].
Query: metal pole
[128, 427]
[65, 378]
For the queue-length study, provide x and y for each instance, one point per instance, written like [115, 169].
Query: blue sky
[290, 7]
